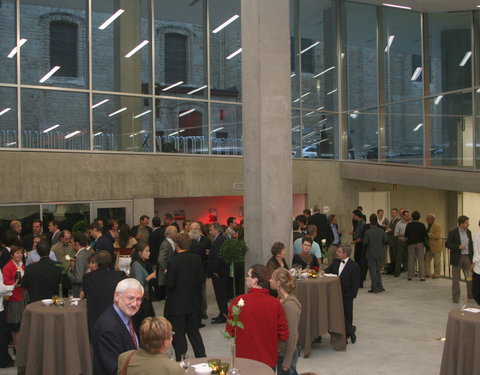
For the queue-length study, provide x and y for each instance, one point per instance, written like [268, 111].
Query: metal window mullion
[342, 141]
[381, 111]
[19, 77]
[427, 130]
[206, 28]
[153, 76]
[90, 72]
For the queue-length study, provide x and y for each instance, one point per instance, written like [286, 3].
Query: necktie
[342, 261]
[132, 333]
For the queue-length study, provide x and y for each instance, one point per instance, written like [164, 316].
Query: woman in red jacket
[15, 305]
[263, 319]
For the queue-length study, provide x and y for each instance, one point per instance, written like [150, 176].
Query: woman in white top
[475, 267]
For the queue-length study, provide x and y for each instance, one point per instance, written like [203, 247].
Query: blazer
[435, 238]
[453, 242]
[374, 241]
[165, 254]
[323, 227]
[99, 287]
[216, 264]
[79, 270]
[155, 240]
[110, 338]
[144, 363]
[349, 278]
[42, 279]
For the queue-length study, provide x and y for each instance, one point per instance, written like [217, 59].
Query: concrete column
[266, 127]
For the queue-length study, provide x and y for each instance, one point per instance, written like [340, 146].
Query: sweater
[293, 309]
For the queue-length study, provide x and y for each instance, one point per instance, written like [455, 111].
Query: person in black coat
[323, 227]
[349, 274]
[43, 278]
[99, 286]
[218, 271]
[155, 240]
[113, 331]
[183, 304]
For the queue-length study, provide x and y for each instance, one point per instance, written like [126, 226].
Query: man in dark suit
[99, 286]
[320, 221]
[374, 241]
[460, 243]
[42, 278]
[156, 238]
[183, 282]
[217, 270]
[54, 229]
[37, 228]
[349, 273]
[101, 242]
[166, 252]
[113, 331]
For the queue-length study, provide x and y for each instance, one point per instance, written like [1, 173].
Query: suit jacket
[374, 241]
[184, 280]
[200, 248]
[165, 254]
[56, 237]
[435, 238]
[156, 238]
[110, 338]
[349, 278]
[134, 230]
[453, 242]
[323, 227]
[216, 264]
[80, 269]
[99, 287]
[42, 279]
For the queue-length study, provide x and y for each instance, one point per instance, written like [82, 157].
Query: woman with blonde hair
[283, 282]
[156, 336]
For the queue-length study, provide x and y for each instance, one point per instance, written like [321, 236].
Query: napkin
[74, 303]
[329, 275]
[199, 365]
[472, 310]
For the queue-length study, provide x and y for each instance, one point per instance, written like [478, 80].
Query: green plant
[80, 226]
[233, 250]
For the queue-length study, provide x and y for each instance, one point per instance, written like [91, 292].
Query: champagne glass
[171, 354]
[464, 306]
[185, 361]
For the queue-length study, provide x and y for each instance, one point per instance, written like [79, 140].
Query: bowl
[47, 302]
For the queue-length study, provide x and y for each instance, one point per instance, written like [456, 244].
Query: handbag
[123, 370]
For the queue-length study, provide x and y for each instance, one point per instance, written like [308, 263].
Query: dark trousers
[348, 313]
[4, 355]
[476, 287]
[220, 289]
[374, 269]
[361, 261]
[401, 250]
[187, 325]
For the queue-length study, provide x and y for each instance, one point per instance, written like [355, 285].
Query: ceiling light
[197, 90]
[13, 52]
[292, 75]
[117, 112]
[51, 128]
[217, 129]
[97, 134]
[396, 6]
[49, 74]
[320, 108]
[100, 103]
[186, 112]
[111, 19]
[172, 86]
[309, 134]
[226, 23]
[296, 100]
[418, 127]
[5, 111]
[143, 114]
[177, 132]
[309, 47]
[325, 71]
[72, 134]
[10, 144]
[234, 54]
[322, 121]
[466, 58]
[136, 49]
[389, 43]
[438, 99]
[310, 113]
[331, 92]
[416, 74]
[304, 95]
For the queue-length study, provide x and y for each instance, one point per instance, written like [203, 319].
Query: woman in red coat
[263, 319]
[16, 303]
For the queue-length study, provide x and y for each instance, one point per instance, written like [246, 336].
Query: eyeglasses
[132, 298]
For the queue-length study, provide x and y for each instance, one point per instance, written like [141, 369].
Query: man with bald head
[434, 247]
[166, 251]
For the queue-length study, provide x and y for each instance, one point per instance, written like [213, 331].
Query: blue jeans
[293, 366]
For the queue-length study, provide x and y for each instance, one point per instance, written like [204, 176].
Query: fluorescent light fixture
[232, 55]
[217, 129]
[354, 114]
[322, 121]
[100, 103]
[143, 114]
[310, 113]
[172, 86]
[416, 73]
[296, 128]
[225, 24]
[136, 49]
[10, 144]
[292, 75]
[296, 100]
[332, 92]
[320, 108]
[326, 70]
[49, 74]
[396, 6]
[72, 134]
[51, 128]
[304, 95]
[418, 127]
[5, 111]
[466, 58]
[438, 99]
[177, 132]
[197, 90]
[97, 134]
[389, 43]
[14, 51]
[186, 112]
[117, 112]
[478, 91]
[111, 19]
[309, 134]
[309, 47]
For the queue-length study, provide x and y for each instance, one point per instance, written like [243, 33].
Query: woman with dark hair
[13, 271]
[140, 253]
[263, 319]
[279, 253]
[306, 259]
[124, 240]
[156, 336]
[283, 282]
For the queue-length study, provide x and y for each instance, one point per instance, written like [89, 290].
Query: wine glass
[464, 306]
[185, 361]
[171, 354]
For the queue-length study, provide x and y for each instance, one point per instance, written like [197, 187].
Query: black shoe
[381, 290]
[353, 336]
[371, 291]
[202, 325]
[221, 320]
[10, 363]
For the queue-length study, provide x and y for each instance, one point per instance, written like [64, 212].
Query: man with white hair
[165, 253]
[113, 332]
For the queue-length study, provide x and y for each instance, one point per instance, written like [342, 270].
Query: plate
[74, 299]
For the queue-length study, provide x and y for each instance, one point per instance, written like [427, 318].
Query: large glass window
[55, 120]
[55, 51]
[8, 117]
[296, 135]
[24, 213]
[401, 46]
[450, 51]
[362, 135]
[318, 135]
[8, 42]
[67, 214]
[226, 133]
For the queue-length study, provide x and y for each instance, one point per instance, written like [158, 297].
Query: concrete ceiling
[430, 5]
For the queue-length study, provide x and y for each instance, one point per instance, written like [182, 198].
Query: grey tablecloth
[461, 352]
[54, 340]
[322, 312]
[245, 366]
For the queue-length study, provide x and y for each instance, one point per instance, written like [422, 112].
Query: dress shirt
[126, 321]
[33, 257]
[336, 237]
[358, 229]
[464, 241]
[172, 242]
[343, 263]
[476, 254]
[400, 228]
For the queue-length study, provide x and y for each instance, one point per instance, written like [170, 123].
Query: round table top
[39, 308]
[245, 366]
[466, 316]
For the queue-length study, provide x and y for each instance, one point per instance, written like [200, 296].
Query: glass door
[119, 210]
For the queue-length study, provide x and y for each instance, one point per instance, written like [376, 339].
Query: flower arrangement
[323, 248]
[234, 320]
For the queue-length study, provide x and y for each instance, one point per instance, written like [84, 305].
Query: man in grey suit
[79, 244]
[374, 242]
[165, 253]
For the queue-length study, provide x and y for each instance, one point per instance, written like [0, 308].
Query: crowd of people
[174, 264]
